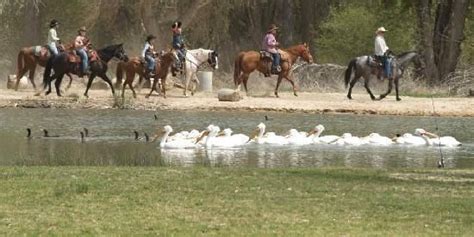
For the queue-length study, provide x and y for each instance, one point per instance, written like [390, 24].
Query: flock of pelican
[213, 137]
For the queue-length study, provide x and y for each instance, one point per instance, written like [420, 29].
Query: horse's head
[305, 53]
[213, 59]
[120, 53]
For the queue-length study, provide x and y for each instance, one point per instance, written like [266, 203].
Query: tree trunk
[426, 40]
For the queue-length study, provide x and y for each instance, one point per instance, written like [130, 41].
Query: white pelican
[173, 144]
[415, 140]
[298, 138]
[348, 139]
[225, 141]
[240, 139]
[435, 140]
[268, 138]
[377, 139]
[315, 134]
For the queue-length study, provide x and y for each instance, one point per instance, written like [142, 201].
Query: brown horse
[131, 67]
[247, 62]
[27, 61]
[162, 70]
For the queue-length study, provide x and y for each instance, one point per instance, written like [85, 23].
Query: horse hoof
[373, 98]
[295, 94]
[349, 97]
[399, 99]
[147, 96]
[37, 94]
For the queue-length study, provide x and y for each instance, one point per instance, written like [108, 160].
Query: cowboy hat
[83, 28]
[53, 23]
[272, 27]
[381, 29]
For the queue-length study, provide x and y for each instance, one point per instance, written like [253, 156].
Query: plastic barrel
[205, 80]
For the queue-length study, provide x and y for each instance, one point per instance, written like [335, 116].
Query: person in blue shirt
[148, 54]
[178, 43]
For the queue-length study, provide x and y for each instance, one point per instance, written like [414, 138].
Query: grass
[226, 201]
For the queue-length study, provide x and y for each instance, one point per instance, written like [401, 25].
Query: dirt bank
[305, 102]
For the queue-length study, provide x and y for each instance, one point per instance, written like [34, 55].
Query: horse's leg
[21, 73]
[389, 90]
[32, 76]
[57, 84]
[280, 77]
[70, 82]
[289, 78]
[396, 88]
[153, 87]
[195, 85]
[89, 84]
[108, 81]
[123, 88]
[351, 85]
[366, 85]
[243, 79]
[133, 91]
[163, 87]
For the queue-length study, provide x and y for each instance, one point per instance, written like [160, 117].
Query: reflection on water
[112, 141]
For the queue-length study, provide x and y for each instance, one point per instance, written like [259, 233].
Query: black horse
[61, 66]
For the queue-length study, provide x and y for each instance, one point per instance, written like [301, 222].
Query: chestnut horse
[247, 62]
[27, 61]
[162, 69]
[131, 67]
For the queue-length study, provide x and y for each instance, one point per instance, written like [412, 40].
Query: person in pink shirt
[270, 44]
[80, 44]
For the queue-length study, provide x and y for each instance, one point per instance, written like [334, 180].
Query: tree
[441, 37]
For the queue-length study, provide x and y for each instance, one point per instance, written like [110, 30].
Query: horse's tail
[119, 73]
[20, 63]
[237, 63]
[349, 69]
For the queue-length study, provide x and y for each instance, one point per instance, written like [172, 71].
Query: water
[112, 141]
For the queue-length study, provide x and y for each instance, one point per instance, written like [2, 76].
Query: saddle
[74, 58]
[376, 63]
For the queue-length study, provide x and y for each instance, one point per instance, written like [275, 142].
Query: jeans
[150, 62]
[53, 49]
[387, 63]
[276, 60]
[85, 60]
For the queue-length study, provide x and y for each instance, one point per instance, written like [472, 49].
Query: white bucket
[205, 81]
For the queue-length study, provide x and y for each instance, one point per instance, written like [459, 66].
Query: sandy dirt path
[305, 102]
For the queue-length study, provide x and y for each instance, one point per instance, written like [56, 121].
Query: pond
[112, 141]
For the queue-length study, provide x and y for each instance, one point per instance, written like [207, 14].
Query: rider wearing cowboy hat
[80, 44]
[382, 51]
[271, 45]
[148, 54]
[53, 39]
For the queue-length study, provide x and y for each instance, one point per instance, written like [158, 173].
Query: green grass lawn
[226, 201]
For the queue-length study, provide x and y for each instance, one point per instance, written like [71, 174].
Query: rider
[382, 51]
[178, 43]
[80, 44]
[271, 45]
[148, 54]
[53, 39]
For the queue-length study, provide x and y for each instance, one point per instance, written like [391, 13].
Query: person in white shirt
[381, 51]
[53, 39]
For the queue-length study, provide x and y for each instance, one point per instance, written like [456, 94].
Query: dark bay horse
[162, 69]
[363, 67]
[247, 62]
[27, 61]
[61, 66]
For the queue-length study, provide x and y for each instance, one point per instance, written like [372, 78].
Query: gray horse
[365, 66]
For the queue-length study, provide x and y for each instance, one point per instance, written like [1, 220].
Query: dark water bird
[441, 163]
[82, 136]
[156, 117]
[267, 118]
[137, 136]
[86, 132]
[46, 133]
[147, 138]
[28, 133]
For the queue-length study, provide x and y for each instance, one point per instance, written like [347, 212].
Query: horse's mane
[405, 53]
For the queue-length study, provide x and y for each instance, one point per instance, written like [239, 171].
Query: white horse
[193, 61]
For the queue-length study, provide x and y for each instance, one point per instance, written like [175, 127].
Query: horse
[27, 60]
[193, 60]
[364, 66]
[247, 62]
[162, 70]
[131, 67]
[98, 67]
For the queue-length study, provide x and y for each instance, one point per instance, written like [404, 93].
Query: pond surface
[112, 141]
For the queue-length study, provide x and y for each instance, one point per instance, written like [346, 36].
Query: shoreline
[306, 102]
